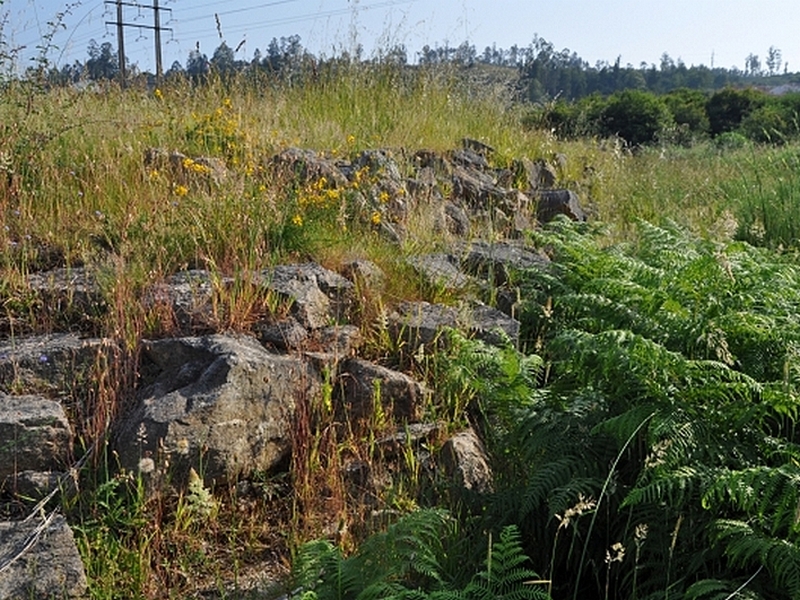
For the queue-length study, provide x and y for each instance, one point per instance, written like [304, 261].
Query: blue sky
[696, 31]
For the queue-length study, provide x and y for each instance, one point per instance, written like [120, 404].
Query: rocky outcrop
[222, 405]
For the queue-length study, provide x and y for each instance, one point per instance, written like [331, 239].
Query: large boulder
[496, 261]
[221, 405]
[39, 559]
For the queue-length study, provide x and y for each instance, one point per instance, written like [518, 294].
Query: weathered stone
[364, 273]
[476, 189]
[50, 568]
[441, 270]
[341, 340]
[48, 364]
[430, 159]
[380, 163]
[287, 334]
[466, 461]
[184, 169]
[412, 435]
[477, 147]
[221, 405]
[316, 294]
[558, 202]
[186, 300]
[422, 323]
[34, 436]
[493, 326]
[495, 261]
[469, 159]
[456, 220]
[365, 383]
[307, 166]
[32, 486]
[69, 297]
[539, 173]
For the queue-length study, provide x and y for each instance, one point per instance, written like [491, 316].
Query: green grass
[75, 190]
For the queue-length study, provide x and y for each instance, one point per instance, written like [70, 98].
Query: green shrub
[638, 117]
[727, 108]
[688, 107]
[773, 123]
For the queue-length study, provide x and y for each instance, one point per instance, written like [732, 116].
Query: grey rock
[539, 173]
[496, 261]
[340, 340]
[400, 395]
[423, 323]
[441, 270]
[552, 203]
[185, 301]
[287, 334]
[316, 294]
[381, 164]
[470, 159]
[430, 159]
[466, 461]
[412, 435]
[69, 296]
[477, 147]
[178, 166]
[476, 189]
[364, 274]
[306, 166]
[32, 486]
[50, 568]
[35, 435]
[456, 220]
[49, 364]
[219, 404]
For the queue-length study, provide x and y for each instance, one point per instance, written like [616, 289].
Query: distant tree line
[681, 116]
[542, 73]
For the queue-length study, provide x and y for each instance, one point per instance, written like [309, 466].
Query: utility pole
[121, 44]
[156, 27]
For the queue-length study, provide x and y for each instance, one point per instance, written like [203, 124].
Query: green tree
[636, 116]
[727, 107]
[688, 108]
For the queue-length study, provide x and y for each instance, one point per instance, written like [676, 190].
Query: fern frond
[744, 546]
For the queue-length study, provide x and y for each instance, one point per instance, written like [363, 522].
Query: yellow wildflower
[297, 220]
[181, 190]
[157, 93]
[376, 218]
[351, 139]
[383, 197]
